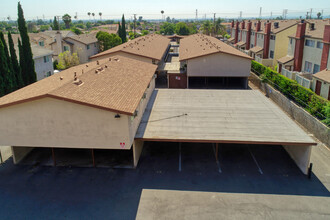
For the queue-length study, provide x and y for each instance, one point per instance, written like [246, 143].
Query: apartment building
[265, 41]
[85, 45]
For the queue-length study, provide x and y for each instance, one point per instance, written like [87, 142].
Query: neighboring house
[321, 83]
[151, 48]
[43, 64]
[265, 41]
[95, 106]
[307, 49]
[209, 60]
[85, 45]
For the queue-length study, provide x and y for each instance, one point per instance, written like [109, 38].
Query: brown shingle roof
[84, 38]
[241, 43]
[282, 25]
[323, 75]
[152, 46]
[318, 28]
[285, 59]
[256, 49]
[119, 87]
[198, 45]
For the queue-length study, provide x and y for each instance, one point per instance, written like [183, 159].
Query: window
[153, 61]
[252, 33]
[46, 59]
[271, 54]
[308, 67]
[251, 45]
[291, 40]
[310, 43]
[272, 37]
[87, 47]
[66, 48]
[319, 45]
[41, 43]
[316, 68]
[49, 73]
[94, 44]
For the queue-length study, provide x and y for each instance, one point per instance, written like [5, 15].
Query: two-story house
[85, 45]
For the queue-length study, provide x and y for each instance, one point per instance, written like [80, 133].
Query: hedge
[306, 98]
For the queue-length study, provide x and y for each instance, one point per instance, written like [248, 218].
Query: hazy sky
[112, 9]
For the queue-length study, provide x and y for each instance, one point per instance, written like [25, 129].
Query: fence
[303, 81]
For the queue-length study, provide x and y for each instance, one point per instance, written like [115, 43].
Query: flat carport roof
[218, 116]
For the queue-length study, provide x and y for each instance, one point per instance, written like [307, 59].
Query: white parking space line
[217, 161]
[179, 157]
[256, 162]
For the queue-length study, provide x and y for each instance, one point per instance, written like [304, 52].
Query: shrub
[314, 104]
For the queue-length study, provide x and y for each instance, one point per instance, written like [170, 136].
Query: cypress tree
[10, 81]
[123, 30]
[119, 29]
[14, 62]
[3, 69]
[27, 67]
[56, 26]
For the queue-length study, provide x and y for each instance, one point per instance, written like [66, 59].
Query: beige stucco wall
[282, 42]
[42, 68]
[312, 54]
[81, 50]
[54, 123]
[260, 40]
[133, 123]
[271, 47]
[132, 56]
[291, 47]
[220, 65]
[244, 36]
[252, 39]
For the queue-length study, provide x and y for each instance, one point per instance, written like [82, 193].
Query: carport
[244, 117]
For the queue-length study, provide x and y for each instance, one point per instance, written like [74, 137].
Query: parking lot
[36, 191]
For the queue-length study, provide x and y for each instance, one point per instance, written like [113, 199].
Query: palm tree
[319, 15]
[162, 11]
[100, 13]
[93, 14]
[207, 27]
[89, 14]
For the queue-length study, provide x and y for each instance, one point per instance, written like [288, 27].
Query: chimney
[326, 47]
[242, 27]
[258, 26]
[267, 39]
[236, 32]
[232, 24]
[299, 46]
[248, 35]
[58, 38]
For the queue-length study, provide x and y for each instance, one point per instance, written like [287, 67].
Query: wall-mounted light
[117, 116]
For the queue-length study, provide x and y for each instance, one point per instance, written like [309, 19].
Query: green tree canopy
[10, 80]
[123, 34]
[107, 41]
[15, 64]
[181, 28]
[67, 20]
[56, 26]
[26, 59]
[3, 70]
[67, 60]
[167, 28]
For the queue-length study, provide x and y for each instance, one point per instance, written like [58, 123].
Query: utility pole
[134, 24]
[311, 13]
[240, 15]
[260, 12]
[196, 15]
[58, 20]
[271, 15]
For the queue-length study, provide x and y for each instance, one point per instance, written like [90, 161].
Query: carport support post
[301, 155]
[137, 150]
[93, 158]
[217, 151]
[53, 155]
